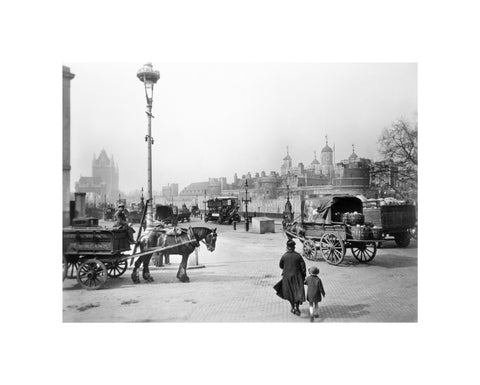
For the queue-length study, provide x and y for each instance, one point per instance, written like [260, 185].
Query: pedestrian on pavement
[315, 291]
[121, 221]
[290, 287]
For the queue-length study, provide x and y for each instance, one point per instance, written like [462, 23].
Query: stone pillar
[67, 77]
[193, 261]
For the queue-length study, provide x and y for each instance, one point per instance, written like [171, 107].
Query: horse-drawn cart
[336, 224]
[95, 253]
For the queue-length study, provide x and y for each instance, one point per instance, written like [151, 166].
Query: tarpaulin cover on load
[338, 203]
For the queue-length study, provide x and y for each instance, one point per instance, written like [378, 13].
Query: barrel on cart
[329, 225]
[91, 253]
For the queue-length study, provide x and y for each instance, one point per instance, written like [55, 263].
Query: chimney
[80, 204]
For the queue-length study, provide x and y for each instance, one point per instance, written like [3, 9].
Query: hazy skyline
[214, 120]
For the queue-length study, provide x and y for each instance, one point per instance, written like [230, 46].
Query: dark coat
[120, 218]
[121, 221]
[315, 289]
[293, 275]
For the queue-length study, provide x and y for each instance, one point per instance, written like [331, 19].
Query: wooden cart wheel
[65, 264]
[310, 250]
[116, 269]
[332, 248]
[364, 251]
[414, 232]
[92, 274]
[72, 269]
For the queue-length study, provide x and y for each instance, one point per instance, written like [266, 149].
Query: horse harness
[192, 234]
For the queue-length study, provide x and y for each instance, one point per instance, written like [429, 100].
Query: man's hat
[121, 205]
[291, 244]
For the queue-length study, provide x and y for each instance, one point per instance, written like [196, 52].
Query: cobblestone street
[236, 286]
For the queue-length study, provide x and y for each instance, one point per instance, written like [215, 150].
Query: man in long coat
[293, 276]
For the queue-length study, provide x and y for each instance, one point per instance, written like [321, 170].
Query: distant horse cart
[338, 223]
[195, 211]
[184, 214]
[171, 214]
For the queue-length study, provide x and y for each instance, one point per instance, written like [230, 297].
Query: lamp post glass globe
[149, 89]
[149, 77]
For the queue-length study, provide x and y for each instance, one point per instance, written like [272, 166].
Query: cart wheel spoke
[116, 269]
[332, 248]
[310, 250]
[364, 252]
[92, 274]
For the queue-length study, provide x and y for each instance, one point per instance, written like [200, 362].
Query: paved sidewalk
[236, 286]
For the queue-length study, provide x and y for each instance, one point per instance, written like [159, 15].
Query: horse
[158, 238]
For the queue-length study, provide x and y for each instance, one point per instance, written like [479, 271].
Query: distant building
[91, 184]
[195, 189]
[315, 167]
[106, 169]
[287, 164]
[353, 172]
[325, 177]
[104, 180]
[211, 188]
[327, 161]
[169, 191]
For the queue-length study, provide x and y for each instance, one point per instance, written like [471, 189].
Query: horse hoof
[135, 278]
[147, 278]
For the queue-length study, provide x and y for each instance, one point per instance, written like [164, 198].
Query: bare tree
[399, 145]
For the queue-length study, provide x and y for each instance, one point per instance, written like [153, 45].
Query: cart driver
[121, 221]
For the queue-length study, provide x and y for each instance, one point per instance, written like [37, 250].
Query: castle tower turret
[287, 164]
[327, 159]
[354, 157]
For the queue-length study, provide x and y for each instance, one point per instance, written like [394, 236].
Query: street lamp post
[246, 201]
[205, 203]
[149, 77]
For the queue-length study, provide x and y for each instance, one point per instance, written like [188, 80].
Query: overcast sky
[214, 120]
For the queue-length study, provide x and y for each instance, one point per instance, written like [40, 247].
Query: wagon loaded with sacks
[330, 225]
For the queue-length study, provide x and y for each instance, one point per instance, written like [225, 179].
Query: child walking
[315, 291]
